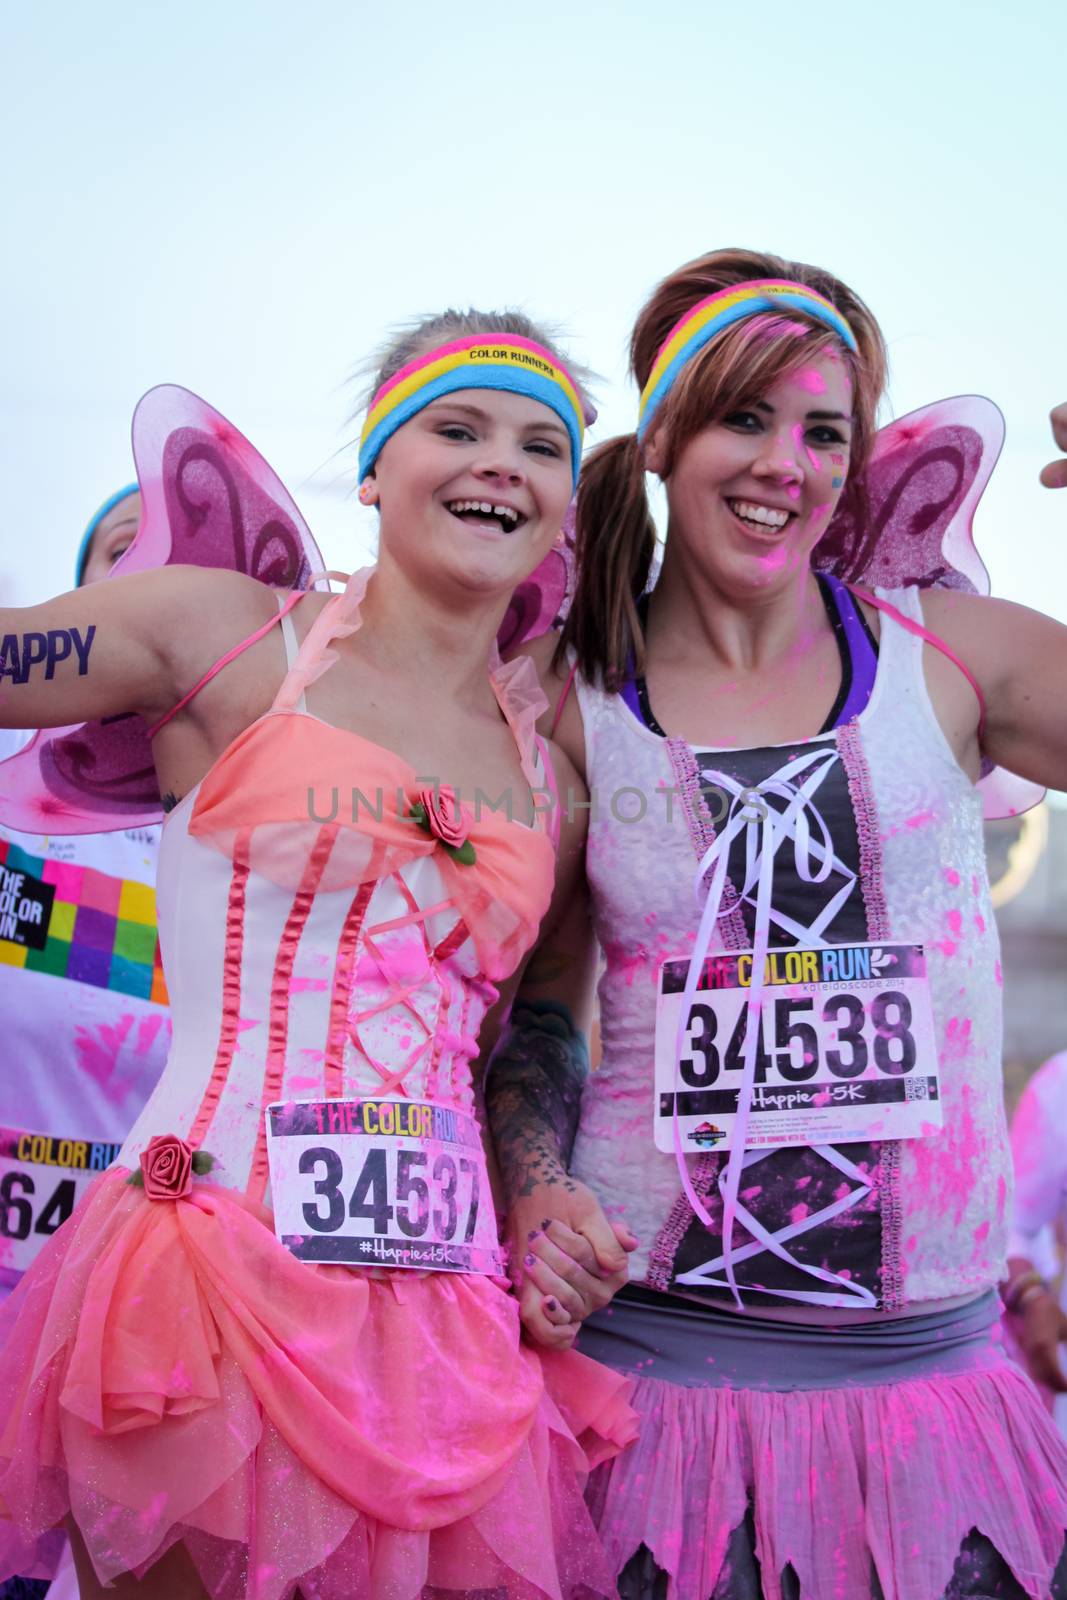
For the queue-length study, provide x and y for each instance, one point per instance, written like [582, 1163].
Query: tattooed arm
[567, 1258]
[99, 651]
[537, 1075]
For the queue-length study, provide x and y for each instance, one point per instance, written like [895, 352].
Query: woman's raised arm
[1019, 657]
[99, 651]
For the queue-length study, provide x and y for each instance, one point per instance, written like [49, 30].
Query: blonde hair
[426, 333]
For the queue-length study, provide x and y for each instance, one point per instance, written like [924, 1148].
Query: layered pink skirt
[905, 1460]
[170, 1373]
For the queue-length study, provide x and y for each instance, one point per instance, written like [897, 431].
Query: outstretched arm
[99, 651]
[1019, 658]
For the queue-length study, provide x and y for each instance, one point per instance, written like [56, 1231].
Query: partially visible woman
[214, 1373]
[799, 1105]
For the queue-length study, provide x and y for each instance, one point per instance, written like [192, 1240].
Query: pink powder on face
[805, 449]
[810, 380]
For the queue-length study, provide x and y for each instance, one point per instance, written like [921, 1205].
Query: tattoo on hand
[533, 1096]
[20, 653]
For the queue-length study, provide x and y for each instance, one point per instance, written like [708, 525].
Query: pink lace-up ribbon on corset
[767, 830]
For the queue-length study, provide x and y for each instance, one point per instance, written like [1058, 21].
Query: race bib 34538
[846, 1050]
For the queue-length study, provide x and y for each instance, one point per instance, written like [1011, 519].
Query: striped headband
[482, 361]
[709, 317]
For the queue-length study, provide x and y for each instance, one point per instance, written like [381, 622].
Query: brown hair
[616, 535]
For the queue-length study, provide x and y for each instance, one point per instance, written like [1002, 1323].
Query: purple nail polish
[529, 1261]
[551, 1305]
[534, 1233]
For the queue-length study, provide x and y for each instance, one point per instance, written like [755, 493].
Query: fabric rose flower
[167, 1167]
[438, 812]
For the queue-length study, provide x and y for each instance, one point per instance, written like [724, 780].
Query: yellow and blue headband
[482, 361]
[709, 317]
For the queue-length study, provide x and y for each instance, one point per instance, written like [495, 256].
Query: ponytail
[615, 540]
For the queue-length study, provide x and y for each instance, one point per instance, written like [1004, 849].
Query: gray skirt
[900, 1459]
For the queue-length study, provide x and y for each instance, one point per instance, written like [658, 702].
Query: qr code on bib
[917, 1089]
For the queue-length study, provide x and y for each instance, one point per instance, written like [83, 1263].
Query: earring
[366, 493]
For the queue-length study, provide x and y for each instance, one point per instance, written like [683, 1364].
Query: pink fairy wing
[914, 525]
[208, 499]
[543, 599]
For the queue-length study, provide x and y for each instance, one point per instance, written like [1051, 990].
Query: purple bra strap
[860, 649]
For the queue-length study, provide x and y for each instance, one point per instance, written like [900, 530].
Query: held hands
[1054, 476]
[568, 1260]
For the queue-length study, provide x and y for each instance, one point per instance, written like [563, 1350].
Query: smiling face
[751, 496]
[474, 487]
[112, 538]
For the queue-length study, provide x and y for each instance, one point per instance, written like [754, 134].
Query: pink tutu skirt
[170, 1373]
[906, 1461]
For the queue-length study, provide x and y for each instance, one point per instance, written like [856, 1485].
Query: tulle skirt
[905, 1460]
[169, 1373]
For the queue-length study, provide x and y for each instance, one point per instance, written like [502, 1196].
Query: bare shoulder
[572, 796]
[209, 611]
[992, 636]
[542, 652]
[565, 769]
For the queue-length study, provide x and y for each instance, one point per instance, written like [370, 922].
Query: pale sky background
[243, 197]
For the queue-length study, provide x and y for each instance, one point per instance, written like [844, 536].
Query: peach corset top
[317, 941]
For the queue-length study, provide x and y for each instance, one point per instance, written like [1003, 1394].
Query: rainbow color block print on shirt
[79, 923]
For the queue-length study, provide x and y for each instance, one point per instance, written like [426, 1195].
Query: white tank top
[86, 1025]
[933, 1224]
